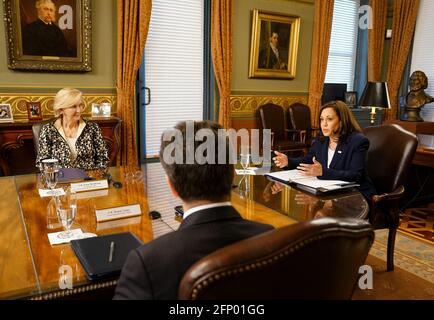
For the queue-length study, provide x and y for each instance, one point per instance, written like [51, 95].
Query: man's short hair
[209, 181]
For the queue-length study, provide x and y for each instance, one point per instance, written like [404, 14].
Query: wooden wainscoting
[244, 108]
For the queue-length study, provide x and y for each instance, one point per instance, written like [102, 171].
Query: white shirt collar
[204, 207]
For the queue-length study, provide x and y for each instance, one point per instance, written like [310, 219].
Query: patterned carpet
[413, 277]
[419, 222]
[411, 254]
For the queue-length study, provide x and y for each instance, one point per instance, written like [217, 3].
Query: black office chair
[300, 121]
[389, 157]
[273, 118]
[36, 130]
[317, 259]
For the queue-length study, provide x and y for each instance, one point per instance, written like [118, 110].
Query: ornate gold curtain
[322, 29]
[376, 39]
[221, 47]
[404, 21]
[133, 23]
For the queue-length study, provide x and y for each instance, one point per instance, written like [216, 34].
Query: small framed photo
[6, 113]
[34, 111]
[101, 110]
[351, 98]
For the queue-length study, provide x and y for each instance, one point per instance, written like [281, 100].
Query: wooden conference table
[29, 265]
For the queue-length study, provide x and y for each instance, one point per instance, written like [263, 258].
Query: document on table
[295, 176]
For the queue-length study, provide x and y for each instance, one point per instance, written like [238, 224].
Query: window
[343, 43]
[173, 67]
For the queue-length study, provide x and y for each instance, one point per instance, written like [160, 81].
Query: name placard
[118, 212]
[89, 185]
[92, 194]
[111, 224]
[44, 193]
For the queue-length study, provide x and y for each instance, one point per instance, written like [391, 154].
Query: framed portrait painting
[274, 45]
[50, 35]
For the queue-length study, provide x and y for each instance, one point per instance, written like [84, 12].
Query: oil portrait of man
[274, 45]
[48, 28]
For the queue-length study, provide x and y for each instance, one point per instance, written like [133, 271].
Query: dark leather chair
[36, 129]
[300, 121]
[317, 259]
[273, 118]
[389, 157]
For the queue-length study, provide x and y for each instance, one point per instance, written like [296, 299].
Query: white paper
[89, 185]
[253, 171]
[54, 237]
[296, 176]
[44, 193]
[118, 212]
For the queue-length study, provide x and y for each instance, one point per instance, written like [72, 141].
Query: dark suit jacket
[348, 162]
[41, 39]
[155, 270]
[268, 60]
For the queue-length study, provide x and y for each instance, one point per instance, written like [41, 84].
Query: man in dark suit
[155, 270]
[273, 56]
[43, 37]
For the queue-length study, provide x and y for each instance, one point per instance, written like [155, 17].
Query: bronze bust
[417, 97]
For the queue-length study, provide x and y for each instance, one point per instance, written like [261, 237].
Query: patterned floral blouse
[91, 149]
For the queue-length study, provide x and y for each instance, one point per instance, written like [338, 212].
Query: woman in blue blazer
[338, 154]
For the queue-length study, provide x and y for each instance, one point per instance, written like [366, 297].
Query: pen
[112, 251]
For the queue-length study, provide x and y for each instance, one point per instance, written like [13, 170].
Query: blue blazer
[348, 163]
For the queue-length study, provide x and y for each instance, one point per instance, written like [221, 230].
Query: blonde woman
[75, 142]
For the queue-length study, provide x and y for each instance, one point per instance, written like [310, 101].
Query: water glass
[52, 219]
[245, 160]
[66, 206]
[50, 169]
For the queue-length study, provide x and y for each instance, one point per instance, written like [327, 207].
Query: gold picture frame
[59, 43]
[271, 58]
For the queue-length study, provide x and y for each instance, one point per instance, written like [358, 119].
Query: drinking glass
[66, 206]
[50, 169]
[245, 160]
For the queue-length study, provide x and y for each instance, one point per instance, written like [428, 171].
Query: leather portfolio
[104, 256]
[67, 175]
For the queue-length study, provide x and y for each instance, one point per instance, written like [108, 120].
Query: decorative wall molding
[19, 109]
[243, 106]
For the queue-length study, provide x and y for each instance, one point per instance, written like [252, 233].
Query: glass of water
[50, 169]
[245, 160]
[66, 207]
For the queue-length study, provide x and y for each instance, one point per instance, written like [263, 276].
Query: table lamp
[375, 96]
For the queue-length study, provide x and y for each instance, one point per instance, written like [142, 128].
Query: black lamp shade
[375, 95]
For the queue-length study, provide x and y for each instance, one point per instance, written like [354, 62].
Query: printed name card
[118, 212]
[89, 185]
[92, 194]
[44, 193]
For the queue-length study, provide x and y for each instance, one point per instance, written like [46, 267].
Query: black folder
[67, 175]
[94, 253]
